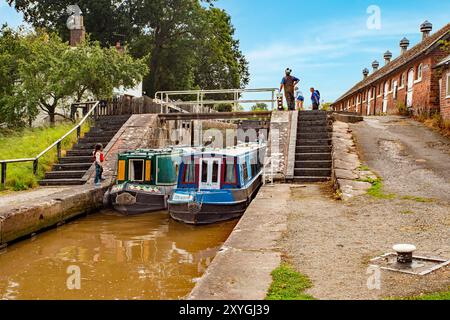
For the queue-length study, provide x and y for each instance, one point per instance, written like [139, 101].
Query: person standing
[288, 83]
[99, 158]
[315, 98]
[299, 98]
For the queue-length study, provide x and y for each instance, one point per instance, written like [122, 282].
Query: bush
[402, 109]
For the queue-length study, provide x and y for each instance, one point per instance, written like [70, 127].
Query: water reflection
[143, 257]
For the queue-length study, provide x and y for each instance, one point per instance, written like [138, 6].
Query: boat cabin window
[136, 171]
[189, 175]
[215, 171]
[245, 170]
[204, 171]
[230, 174]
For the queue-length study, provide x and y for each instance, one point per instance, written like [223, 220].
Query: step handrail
[56, 144]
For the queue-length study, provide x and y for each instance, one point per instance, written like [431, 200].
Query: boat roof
[235, 151]
[153, 152]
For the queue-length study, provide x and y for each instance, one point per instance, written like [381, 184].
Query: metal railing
[164, 97]
[57, 144]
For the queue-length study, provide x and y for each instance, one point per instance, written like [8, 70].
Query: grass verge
[288, 284]
[28, 144]
[432, 296]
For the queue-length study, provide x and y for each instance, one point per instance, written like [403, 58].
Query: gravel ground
[332, 241]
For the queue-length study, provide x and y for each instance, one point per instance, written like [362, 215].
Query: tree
[106, 20]
[48, 72]
[14, 111]
[188, 45]
[260, 107]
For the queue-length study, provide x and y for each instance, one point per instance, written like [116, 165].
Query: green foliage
[41, 72]
[260, 107]
[376, 190]
[326, 106]
[27, 144]
[223, 107]
[402, 109]
[288, 285]
[445, 295]
[187, 44]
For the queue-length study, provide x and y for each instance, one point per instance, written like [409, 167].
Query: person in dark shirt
[315, 98]
[288, 83]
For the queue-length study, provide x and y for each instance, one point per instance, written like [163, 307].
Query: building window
[402, 80]
[419, 72]
[448, 86]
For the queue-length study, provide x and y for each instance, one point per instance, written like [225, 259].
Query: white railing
[164, 97]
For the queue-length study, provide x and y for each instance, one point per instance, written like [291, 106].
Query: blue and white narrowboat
[216, 185]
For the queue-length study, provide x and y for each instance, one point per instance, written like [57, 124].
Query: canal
[142, 257]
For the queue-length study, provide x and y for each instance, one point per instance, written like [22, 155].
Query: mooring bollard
[404, 253]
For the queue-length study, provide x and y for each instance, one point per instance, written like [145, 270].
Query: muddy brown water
[143, 257]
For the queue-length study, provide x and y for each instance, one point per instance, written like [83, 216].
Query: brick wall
[445, 101]
[425, 90]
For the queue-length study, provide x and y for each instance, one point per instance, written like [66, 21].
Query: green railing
[91, 108]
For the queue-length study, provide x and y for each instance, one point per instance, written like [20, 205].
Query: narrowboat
[216, 185]
[145, 179]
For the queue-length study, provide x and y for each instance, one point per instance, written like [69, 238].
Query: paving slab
[242, 269]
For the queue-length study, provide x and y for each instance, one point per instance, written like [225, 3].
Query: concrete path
[412, 159]
[27, 197]
[332, 241]
[242, 269]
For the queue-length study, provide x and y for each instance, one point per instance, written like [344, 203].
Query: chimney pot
[404, 44]
[365, 72]
[375, 65]
[426, 29]
[387, 57]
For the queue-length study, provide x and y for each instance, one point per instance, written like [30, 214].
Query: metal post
[192, 134]
[58, 148]
[78, 133]
[201, 102]
[35, 166]
[273, 100]
[3, 178]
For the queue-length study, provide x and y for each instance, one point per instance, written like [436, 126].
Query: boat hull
[133, 202]
[208, 213]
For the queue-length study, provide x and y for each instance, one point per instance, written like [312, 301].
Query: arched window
[419, 72]
[402, 80]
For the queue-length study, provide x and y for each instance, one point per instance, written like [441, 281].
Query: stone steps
[61, 182]
[313, 156]
[65, 174]
[76, 160]
[79, 153]
[305, 179]
[313, 172]
[313, 129]
[71, 168]
[315, 142]
[313, 149]
[315, 135]
[313, 164]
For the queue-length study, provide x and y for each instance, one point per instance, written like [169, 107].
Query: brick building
[443, 68]
[411, 80]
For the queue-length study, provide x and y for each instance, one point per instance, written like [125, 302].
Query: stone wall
[349, 179]
[277, 155]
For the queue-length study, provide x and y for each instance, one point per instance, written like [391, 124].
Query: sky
[327, 43]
